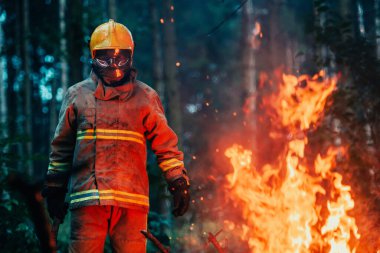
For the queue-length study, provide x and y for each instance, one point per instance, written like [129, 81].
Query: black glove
[179, 188]
[55, 200]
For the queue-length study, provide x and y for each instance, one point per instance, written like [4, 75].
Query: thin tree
[86, 31]
[158, 71]
[159, 85]
[171, 64]
[349, 11]
[14, 103]
[275, 34]
[377, 25]
[74, 29]
[367, 15]
[112, 9]
[248, 66]
[63, 46]
[63, 67]
[3, 97]
[28, 94]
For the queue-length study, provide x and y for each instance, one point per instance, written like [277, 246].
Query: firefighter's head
[112, 48]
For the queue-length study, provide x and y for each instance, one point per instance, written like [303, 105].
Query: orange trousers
[91, 224]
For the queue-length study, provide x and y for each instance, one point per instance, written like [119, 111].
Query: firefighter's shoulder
[86, 85]
[146, 89]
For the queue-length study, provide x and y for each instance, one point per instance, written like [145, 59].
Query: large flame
[292, 206]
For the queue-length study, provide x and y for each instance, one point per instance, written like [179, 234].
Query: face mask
[112, 65]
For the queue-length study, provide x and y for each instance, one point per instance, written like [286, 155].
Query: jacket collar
[104, 92]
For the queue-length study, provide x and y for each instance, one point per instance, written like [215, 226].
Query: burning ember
[290, 205]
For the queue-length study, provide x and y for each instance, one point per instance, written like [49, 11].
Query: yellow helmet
[111, 35]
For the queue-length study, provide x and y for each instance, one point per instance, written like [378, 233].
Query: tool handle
[155, 241]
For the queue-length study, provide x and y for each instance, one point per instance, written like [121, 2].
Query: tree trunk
[291, 42]
[63, 68]
[170, 72]
[158, 71]
[104, 6]
[248, 73]
[63, 45]
[172, 93]
[53, 110]
[348, 11]
[112, 9]
[13, 51]
[248, 67]
[377, 24]
[3, 98]
[75, 42]
[369, 20]
[86, 49]
[28, 93]
[275, 35]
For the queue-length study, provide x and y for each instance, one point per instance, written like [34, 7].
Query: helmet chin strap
[129, 76]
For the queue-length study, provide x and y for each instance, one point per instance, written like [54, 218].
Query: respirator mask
[113, 66]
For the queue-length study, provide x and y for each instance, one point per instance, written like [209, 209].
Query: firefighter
[98, 153]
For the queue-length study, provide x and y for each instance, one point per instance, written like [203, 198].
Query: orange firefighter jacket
[99, 147]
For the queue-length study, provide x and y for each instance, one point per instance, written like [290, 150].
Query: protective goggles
[112, 58]
[118, 61]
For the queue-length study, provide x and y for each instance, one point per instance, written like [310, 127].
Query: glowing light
[178, 64]
[162, 20]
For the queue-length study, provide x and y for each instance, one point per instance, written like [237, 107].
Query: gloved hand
[55, 200]
[179, 188]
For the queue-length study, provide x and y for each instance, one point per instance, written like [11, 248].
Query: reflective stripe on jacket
[99, 146]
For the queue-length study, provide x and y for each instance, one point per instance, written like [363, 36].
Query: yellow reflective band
[123, 193]
[59, 164]
[86, 137]
[172, 166]
[107, 137]
[83, 192]
[144, 200]
[114, 131]
[124, 200]
[169, 161]
[57, 169]
[83, 199]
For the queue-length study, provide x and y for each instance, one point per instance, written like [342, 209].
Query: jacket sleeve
[62, 145]
[164, 142]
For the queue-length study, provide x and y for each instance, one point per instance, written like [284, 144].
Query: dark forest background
[205, 59]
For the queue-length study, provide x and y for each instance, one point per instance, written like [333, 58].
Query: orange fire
[291, 206]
